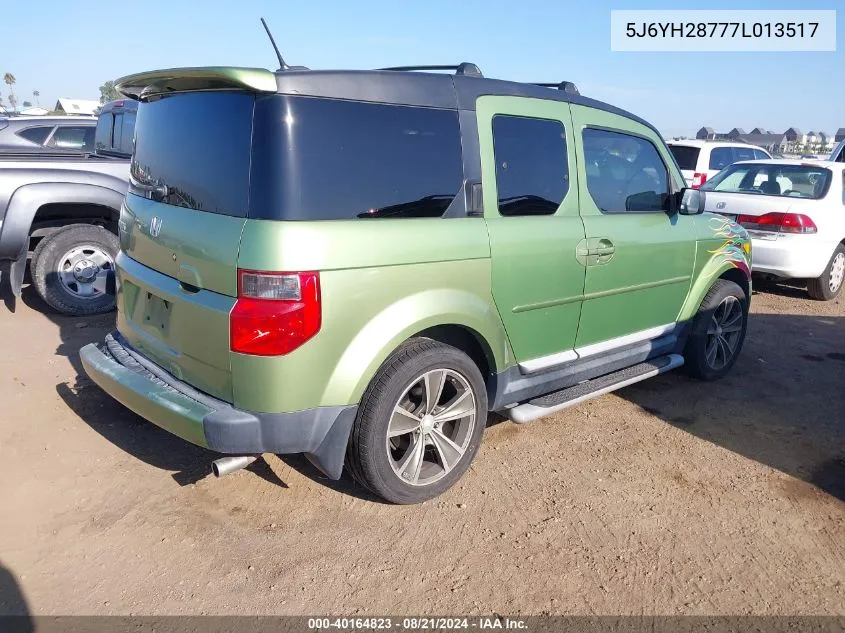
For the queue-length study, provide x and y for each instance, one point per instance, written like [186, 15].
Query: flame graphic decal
[733, 248]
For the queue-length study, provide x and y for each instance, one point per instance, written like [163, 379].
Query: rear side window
[193, 149]
[721, 157]
[625, 173]
[686, 156]
[761, 155]
[325, 159]
[532, 172]
[78, 138]
[37, 134]
[103, 135]
[743, 153]
[127, 134]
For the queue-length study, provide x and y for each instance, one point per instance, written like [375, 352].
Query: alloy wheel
[724, 332]
[431, 427]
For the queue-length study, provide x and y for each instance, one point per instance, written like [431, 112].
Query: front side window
[37, 134]
[721, 157]
[71, 137]
[532, 172]
[625, 173]
[772, 179]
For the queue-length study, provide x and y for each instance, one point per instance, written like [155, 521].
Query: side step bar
[587, 390]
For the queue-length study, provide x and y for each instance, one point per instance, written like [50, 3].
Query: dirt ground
[668, 497]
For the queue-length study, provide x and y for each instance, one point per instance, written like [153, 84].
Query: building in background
[34, 111]
[791, 141]
[77, 106]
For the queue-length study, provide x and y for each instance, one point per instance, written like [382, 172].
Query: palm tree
[9, 78]
[36, 94]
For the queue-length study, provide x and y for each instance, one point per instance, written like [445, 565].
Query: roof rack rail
[464, 68]
[566, 86]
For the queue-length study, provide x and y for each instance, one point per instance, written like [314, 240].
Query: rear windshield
[686, 156]
[193, 150]
[309, 158]
[772, 179]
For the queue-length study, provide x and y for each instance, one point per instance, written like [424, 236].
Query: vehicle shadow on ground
[783, 405]
[792, 288]
[14, 611]
[346, 484]
[134, 435]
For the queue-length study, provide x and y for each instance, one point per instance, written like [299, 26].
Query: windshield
[686, 156]
[772, 179]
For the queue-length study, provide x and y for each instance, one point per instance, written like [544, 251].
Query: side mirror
[691, 201]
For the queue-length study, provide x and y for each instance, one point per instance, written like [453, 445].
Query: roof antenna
[282, 64]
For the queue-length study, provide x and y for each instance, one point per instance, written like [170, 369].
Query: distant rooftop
[77, 106]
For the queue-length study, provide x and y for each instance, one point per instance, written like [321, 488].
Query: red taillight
[698, 180]
[275, 312]
[780, 222]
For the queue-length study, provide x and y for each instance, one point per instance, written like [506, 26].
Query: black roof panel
[425, 89]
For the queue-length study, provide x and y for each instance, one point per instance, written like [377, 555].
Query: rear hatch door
[181, 225]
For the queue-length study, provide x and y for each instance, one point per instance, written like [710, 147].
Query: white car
[701, 160]
[794, 212]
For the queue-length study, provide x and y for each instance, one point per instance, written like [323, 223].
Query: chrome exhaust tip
[228, 465]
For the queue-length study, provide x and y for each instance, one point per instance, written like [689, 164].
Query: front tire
[419, 424]
[829, 285]
[65, 265]
[718, 331]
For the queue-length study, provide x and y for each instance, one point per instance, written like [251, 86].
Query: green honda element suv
[360, 265]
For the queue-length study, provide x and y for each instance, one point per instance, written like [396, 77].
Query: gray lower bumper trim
[320, 433]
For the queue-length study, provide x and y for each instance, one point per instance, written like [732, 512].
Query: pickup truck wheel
[65, 266]
[419, 424]
[827, 286]
[718, 331]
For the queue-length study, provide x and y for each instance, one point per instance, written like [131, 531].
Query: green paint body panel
[176, 290]
[525, 287]
[537, 279]
[174, 412]
[646, 278]
[381, 282]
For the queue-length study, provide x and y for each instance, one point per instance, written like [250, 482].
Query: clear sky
[68, 49]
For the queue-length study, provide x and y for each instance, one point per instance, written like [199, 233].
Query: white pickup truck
[61, 211]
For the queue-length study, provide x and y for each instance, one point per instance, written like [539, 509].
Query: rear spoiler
[143, 85]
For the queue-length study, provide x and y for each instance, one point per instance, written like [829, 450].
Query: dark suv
[51, 134]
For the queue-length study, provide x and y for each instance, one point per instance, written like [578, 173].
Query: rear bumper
[151, 392]
[791, 256]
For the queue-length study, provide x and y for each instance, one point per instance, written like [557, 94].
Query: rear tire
[62, 265]
[829, 285]
[718, 331]
[420, 452]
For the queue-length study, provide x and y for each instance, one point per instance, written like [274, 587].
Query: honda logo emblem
[155, 226]
[720, 205]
